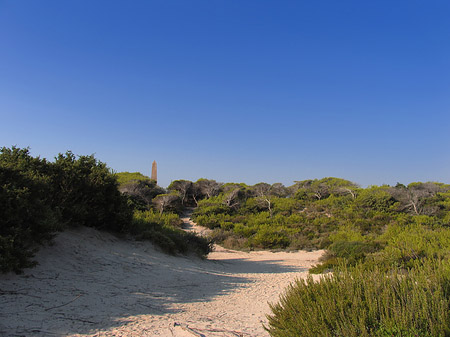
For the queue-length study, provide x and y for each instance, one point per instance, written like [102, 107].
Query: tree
[415, 196]
[374, 198]
[196, 193]
[27, 218]
[351, 191]
[323, 188]
[183, 187]
[311, 189]
[141, 192]
[231, 199]
[38, 197]
[166, 201]
[124, 178]
[86, 193]
[279, 190]
[265, 193]
[208, 188]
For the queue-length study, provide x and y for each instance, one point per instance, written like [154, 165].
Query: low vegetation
[164, 229]
[365, 301]
[40, 198]
[387, 247]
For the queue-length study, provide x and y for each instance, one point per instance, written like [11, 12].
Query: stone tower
[154, 172]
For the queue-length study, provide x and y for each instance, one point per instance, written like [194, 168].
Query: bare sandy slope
[93, 284]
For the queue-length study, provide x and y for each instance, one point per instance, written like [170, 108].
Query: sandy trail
[92, 284]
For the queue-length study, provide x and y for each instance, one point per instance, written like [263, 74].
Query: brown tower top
[154, 172]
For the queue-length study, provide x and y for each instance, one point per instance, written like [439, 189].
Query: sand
[90, 283]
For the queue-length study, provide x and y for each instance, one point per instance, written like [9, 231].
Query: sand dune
[90, 283]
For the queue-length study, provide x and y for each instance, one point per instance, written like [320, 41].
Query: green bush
[269, 238]
[124, 178]
[38, 198]
[212, 206]
[85, 192]
[212, 220]
[140, 193]
[315, 211]
[26, 217]
[404, 245]
[157, 237]
[367, 302]
[164, 231]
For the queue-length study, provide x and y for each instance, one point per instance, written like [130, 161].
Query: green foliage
[387, 246]
[164, 230]
[140, 189]
[124, 178]
[40, 197]
[374, 199]
[367, 302]
[310, 190]
[389, 252]
[168, 202]
[214, 220]
[211, 212]
[141, 193]
[26, 217]
[270, 238]
[286, 206]
[86, 193]
[184, 188]
[379, 241]
[404, 245]
[308, 215]
[142, 219]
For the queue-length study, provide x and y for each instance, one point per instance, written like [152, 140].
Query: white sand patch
[90, 283]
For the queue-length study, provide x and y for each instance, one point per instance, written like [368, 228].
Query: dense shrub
[306, 221]
[140, 189]
[403, 246]
[38, 198]
[213, 220]
[367, 302]
[270, 238]
[212, 206]
[164, 230]
[85, 192]
[388, 249]
[26, 218]
[124, 178]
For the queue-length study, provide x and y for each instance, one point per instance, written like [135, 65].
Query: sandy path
[92, 284]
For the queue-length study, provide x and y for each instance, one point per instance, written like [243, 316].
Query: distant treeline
[39, 198]
[314, 214]
[352, 223]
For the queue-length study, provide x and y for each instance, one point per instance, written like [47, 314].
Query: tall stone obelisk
[154, 172]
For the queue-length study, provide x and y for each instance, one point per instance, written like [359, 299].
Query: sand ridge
[90, 283]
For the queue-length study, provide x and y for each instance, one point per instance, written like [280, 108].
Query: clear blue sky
[232, 90]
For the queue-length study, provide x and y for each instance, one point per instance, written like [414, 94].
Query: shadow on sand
[81, 287]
